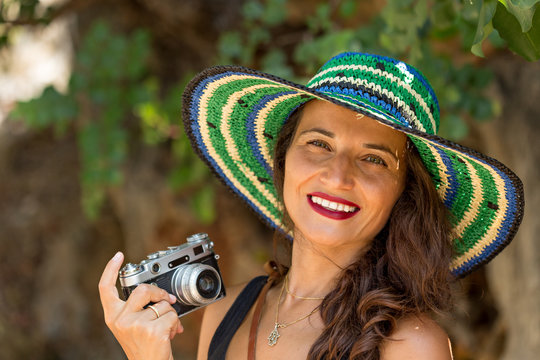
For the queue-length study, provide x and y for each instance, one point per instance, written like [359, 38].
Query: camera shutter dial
[197, 237]
[130, 269]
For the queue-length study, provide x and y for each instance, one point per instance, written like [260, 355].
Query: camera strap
[273, 275]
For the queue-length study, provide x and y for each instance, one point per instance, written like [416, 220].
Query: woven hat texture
[233, 116]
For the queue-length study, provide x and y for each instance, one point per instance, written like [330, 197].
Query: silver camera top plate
[197, 247]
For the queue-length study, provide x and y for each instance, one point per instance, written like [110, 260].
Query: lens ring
[185, 283]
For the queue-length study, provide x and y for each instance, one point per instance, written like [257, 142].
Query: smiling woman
[377, 212]
[391, 190]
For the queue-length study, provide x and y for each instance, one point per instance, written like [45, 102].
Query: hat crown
[388, 85]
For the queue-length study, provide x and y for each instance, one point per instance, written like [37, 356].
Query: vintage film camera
[189, 271]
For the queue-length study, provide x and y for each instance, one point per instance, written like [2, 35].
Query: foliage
[101, 90]
[159, 124]
[515, 22]
[104, 93]
[521, 32]
[413, 30]
[113, 102]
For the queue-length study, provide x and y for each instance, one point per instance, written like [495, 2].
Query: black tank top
[234, 318]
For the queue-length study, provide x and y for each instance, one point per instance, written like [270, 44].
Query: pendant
[273, 337]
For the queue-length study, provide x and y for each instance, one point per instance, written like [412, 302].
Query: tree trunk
[514, 275]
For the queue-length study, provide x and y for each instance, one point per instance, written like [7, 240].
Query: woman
[381, 212]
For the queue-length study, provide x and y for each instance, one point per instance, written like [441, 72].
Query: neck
[315, 270]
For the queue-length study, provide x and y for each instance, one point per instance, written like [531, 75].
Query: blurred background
[93, 157]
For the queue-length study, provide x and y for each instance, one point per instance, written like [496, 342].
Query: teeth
[331, 205]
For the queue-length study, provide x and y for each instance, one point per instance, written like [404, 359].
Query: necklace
[298, 296]
[274, 335]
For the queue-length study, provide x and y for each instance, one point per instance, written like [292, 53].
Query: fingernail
[173, 298]
[117, 256]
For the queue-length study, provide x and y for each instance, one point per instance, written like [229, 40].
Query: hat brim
[233, 116]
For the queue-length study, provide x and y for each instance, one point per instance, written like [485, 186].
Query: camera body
[189, 271]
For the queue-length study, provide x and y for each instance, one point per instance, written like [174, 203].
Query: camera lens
[207, 283]
[196, 284]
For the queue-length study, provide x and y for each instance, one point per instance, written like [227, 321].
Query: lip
[336, 215]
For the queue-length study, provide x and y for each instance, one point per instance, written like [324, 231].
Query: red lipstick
[332, 214]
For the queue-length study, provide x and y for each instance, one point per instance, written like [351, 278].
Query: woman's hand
[140, 332]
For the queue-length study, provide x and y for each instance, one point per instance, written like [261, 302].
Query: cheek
[297, 173]
[384, 193]
[294, 170]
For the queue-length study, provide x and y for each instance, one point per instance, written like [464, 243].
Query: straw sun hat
[233, 116]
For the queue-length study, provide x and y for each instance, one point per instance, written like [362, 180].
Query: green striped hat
[233, 116]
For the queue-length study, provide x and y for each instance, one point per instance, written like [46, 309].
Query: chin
[331, 238]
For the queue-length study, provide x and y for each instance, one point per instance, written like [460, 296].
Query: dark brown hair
[404, 272]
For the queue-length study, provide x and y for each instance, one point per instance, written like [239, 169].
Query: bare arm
[418, 338]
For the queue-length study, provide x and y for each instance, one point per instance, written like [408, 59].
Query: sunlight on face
[343, 175]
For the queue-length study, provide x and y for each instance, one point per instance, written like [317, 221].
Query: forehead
[347, 124]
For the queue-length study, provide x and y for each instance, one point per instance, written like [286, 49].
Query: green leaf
[190, 172]
[523, 10]
[275, 62]
[50, 109]
[321, 20]
[483, 109]
[275, 12]
[525, 44]
[443, 14]
[453, 127]
[486, 11]
[230, 45]
[520, 3]
[316, 51]
[252, 10]
[258, 35]
[347, 8]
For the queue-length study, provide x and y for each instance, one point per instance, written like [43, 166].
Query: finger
[170, 322]
[178, 329]
[107, 284]
[144, 294]
[157, 310]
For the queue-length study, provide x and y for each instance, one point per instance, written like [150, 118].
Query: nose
[339, 172]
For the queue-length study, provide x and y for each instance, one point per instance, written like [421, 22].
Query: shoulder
[213, 315]
[417, 337]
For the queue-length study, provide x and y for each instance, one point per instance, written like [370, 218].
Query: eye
[375, 160]
[319, 143]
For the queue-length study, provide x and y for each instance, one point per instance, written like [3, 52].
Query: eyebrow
[380, 147]
[319, 130]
